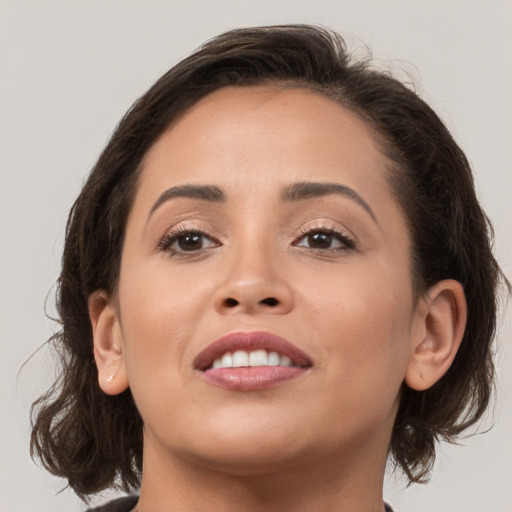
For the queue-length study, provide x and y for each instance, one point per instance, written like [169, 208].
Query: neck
[322, 483]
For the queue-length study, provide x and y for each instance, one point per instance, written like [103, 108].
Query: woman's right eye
[186, 241]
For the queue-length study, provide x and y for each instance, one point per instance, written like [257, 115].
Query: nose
[254, 283]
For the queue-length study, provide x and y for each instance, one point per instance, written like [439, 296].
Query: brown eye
[186, 241]
[190, 242]
[325, 239]
[319, 240]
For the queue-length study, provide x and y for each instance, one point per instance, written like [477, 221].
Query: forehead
[249, 133]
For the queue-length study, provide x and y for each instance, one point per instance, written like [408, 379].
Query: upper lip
[249, 341]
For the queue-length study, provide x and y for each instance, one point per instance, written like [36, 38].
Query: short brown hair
[95, 440]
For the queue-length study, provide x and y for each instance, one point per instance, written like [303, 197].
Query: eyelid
[349, 240]
[173, 234]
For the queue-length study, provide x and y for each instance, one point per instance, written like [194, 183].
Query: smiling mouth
[254, 358]
[248, 361]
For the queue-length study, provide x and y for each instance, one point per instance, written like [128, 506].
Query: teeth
[241, 358]
[226, 361]
[285, 361]
[258, 358]
[273, 359]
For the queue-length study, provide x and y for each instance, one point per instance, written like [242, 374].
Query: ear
[108, 344]
[443, 327]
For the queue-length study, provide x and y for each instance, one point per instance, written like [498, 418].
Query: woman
[276, 277]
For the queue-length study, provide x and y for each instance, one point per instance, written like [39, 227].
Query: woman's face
[264, 215]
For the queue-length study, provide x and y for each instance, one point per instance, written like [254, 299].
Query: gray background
[69, 70]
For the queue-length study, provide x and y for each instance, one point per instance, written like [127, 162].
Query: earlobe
[444, 324]
[108, 344]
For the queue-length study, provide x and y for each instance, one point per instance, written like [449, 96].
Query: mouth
[247, 361]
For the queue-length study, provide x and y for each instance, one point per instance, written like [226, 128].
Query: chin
[244, 447]
[257, 459]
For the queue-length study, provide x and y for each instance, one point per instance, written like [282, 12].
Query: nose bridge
[254, 278]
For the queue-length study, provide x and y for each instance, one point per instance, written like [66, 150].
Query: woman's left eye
[325, 239]
[186, 241]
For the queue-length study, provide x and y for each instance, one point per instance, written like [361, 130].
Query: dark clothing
[119, 505]
[128, 502]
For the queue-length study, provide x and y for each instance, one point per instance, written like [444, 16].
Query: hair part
[95, 440]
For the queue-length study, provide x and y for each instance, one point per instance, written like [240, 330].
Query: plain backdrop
[70, 69]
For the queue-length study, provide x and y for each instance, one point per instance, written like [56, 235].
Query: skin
[318, 442]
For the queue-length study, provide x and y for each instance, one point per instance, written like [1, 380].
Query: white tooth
[240, 358]
[227, 361]
[273, 359]
[217, 363]
[285, 361]
[258, 358]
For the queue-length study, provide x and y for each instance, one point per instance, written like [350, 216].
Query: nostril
[231, 303]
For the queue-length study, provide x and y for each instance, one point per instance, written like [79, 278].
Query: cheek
[367, 316]
[159, 316]
[159, 310]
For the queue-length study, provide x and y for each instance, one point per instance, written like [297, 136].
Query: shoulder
[118, 505]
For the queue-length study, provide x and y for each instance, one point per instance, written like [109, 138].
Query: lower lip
[252, 378]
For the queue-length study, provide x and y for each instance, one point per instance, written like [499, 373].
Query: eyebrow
[209, 193]
[294, 192]
[309, 189]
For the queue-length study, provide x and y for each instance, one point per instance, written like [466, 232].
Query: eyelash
[166, 243]
[347, 242]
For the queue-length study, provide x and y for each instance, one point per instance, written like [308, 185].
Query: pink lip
[250, 341]
[251, 378]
